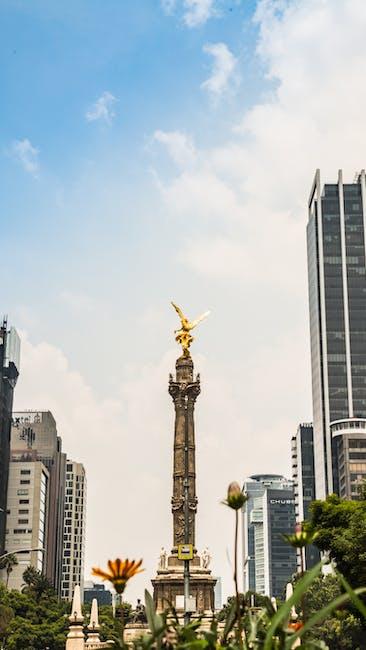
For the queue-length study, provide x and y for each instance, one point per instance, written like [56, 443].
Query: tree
[341, 531]
[6, 615]
[32, 621]
[8, 563]
[36, 583]
[340, 631]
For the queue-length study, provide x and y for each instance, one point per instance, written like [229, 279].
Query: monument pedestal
[169, 583]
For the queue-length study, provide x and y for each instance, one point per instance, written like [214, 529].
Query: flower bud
[235, 497]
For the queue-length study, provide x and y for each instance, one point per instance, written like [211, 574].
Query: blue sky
[153, 151]
[57, 62]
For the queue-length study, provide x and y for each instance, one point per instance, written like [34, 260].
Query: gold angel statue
[183, 335]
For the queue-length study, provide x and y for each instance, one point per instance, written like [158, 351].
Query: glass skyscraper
[337, 300]
[302, 456]
[269, 513]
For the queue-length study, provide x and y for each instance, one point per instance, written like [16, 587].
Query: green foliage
[263, 628]
[36, 584]
[341, 528]
[343, 629]
[33, 620]
[7, 563]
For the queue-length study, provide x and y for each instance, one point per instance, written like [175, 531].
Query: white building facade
[74, 530]
[27, 517]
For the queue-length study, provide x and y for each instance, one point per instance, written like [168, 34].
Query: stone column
[184, 390]
[75, 638]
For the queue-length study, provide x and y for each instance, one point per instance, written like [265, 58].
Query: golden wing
[179, 311]
[199, 319]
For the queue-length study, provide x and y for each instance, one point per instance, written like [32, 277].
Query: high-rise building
[337, 300]
[27, 519]
[269, 513]
[9, 370]
[94, 590]
[74, 530]
[302, 456]
[34, 437]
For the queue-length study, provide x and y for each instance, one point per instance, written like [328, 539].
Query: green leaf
[283, 612]
[230, 619]
[155, 621]
[352, 594]
[320, 616]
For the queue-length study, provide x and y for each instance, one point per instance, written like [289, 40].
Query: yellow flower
[120, 571]
[300, 538]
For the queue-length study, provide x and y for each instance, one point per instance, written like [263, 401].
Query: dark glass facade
[303, 476]
[282, 557]
[103, 595]
[337, 300]
[9, 343]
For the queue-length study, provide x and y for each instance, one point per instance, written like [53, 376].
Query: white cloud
[194, 13]
[126, 443]
[27, 155]
[315, 54]
[224, 65]
[198, 12]
[102, 109]
[179, 145]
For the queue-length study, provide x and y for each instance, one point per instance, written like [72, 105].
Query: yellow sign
[185, 551]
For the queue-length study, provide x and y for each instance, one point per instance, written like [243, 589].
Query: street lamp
[22, 550]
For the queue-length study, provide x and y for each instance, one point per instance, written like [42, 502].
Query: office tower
[94, 590]
[218, 594]
[9, 369]
[34, 437]
[302, 456]
[337, 301]
[28, 495]
[269, 513]
[74, 530]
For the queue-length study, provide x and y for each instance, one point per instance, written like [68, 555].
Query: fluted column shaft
[184, 391]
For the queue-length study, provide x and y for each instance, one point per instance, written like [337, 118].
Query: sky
[164, 150]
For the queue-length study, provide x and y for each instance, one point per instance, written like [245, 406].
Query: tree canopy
[341, 531]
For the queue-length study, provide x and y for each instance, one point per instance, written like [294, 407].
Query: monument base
[169, 586]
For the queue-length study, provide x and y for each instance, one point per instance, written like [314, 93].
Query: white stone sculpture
[163, 558]
[206, 558]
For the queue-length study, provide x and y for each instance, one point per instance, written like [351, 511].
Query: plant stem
[236, 578]
[302, 600]
[122, 621]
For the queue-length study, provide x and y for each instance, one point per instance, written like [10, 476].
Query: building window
[25, 482]
[25, 472]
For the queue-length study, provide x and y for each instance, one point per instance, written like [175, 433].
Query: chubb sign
[282, 502]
